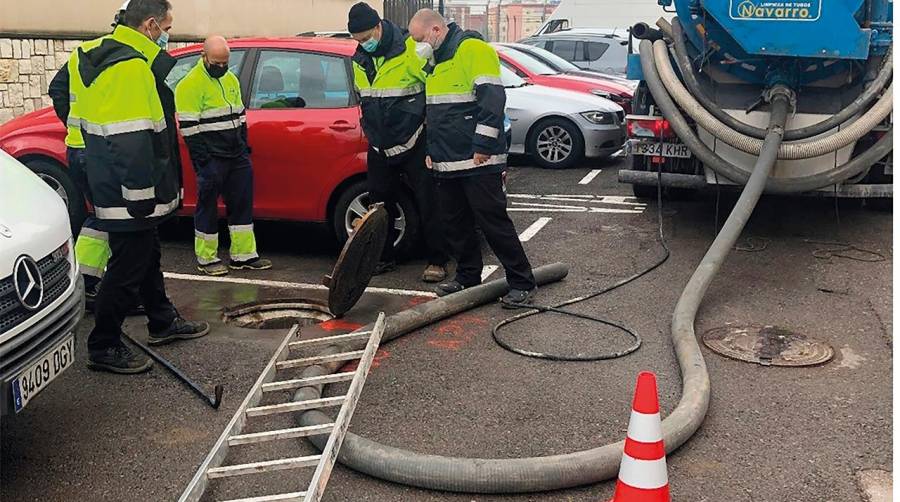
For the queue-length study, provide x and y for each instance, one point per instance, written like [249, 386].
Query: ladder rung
[297, 432]
[308, 382]
[290, 497]
[328, 340]
[267, 466]
[312, 404]
[309, 361]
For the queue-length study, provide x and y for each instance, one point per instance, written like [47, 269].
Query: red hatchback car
[309, 158]
[536, 71]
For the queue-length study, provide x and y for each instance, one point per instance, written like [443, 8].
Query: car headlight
[602, 93]
[597, 117]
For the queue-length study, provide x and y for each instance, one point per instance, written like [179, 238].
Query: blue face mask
[370, 45]
[163, 40]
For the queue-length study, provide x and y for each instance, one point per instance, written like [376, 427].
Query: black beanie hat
[362, 18]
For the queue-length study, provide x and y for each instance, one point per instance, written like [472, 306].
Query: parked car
[41, 290]
[559, 128]
[309, 159]
[586, 49]
[562, 66]
[536, 71]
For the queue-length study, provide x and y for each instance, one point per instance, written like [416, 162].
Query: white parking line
[487, 271]
[535, 227]
[287, 285]
[559, 208]
[591, 199]
[590, 177]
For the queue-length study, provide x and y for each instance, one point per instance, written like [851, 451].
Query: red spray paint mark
[380, 356]
[455, 333]
[339, 325]
[418, 300]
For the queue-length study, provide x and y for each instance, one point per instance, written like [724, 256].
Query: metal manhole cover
[767, 345]
[357, 262]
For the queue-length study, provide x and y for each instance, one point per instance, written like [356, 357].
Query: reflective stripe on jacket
[466, 104]
[126, 115]
[391, 87]
[211, 115]
[64, 89]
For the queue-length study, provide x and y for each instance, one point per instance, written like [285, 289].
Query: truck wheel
[58, 179]
[353, 204]
[556, 143]
[644, 191]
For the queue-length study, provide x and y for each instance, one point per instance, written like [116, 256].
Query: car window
[509, 78]
[186, 63]
[286, 79]
[528, 62]
[510, 67]
[564, 49]
[552, 60]
[595, 50]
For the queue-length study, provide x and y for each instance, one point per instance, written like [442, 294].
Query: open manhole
[277, 314]
[767, 345]
[346, 283]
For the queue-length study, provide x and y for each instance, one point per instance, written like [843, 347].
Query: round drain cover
[767, 345]
[355, 266]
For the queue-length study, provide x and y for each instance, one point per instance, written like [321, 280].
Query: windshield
[531, 64]
[552, 60]
[510, 79]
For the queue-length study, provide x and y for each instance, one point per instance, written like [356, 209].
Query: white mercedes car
[41, 290]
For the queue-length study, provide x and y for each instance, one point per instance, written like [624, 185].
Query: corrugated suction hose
[788, 151]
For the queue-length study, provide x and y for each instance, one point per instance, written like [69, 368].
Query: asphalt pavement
[772, 434]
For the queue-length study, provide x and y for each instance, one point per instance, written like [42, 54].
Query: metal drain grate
[767, 345]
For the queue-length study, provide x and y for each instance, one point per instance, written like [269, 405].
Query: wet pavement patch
[767, 345]
[277, 314]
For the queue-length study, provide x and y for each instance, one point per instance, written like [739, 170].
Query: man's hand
[428, 162]
[480, 158]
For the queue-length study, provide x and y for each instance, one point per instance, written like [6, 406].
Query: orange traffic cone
[642, 474]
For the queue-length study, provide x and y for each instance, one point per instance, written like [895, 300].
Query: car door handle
[342, 125]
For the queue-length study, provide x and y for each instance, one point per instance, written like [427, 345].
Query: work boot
[119, 359]
[213, 269]
[384, 267]
[517, 298]
[448, 288]
[434, 273]
[180, 329]
[251, 264]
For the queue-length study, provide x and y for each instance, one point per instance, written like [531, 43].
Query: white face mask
[424, 50]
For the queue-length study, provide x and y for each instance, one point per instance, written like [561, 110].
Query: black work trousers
[385, 180]
[133, 275]
[478, 200]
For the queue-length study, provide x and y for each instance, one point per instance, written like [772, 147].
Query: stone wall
[26, 68]
[27, 65]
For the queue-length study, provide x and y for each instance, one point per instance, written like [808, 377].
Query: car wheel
[556, 143]
[353, 204]
[58, 179]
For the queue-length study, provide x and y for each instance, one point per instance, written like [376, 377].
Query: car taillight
[652, 127]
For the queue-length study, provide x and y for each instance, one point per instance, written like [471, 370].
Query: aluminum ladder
[213, 468]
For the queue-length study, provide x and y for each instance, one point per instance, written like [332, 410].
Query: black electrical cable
[557, 309]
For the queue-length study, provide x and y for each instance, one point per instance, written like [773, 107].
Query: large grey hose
[869, 93]
[793, 151]
[738, 174]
